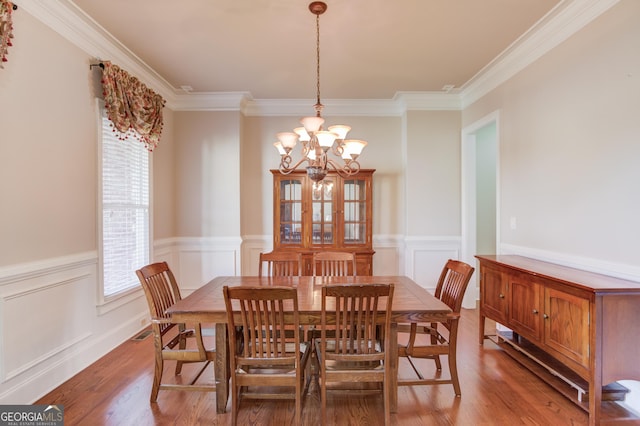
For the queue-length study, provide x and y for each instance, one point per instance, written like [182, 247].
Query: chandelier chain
[318, 104]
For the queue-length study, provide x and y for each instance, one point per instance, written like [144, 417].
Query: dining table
[411, 303]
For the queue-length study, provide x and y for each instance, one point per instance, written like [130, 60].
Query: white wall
[570, 147]
[51, 325]
[486, 168]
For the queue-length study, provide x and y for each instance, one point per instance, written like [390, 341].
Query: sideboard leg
[481, 335]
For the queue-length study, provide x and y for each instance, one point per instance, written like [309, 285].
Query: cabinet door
[323, 213]
[493, 294]
[525, 301]
[356, 211]
[566, 327]
[288, 212]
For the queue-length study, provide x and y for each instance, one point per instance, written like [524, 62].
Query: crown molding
[211, 101]
[65, 18]
[568, 17]
[332, 107]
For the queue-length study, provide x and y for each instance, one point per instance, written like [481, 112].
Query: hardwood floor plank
[496, 390]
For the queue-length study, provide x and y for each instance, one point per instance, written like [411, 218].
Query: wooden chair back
[264, 351]
[453, 282]
[280, 264]
[357, 311]
[161, 290]
[334, 264]
[357, 349]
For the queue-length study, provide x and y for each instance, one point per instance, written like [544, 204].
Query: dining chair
[264, 354]
[280, 264]
[442, 336]
[334, 263]
[170, 339]
[357, 351]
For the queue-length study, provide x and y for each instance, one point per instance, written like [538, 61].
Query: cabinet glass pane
[291, 211]
[322, 212]
[354, 233]
[354, 190]
[355, 211]
[291, 189]
[322, 234]
[327, 235]
[290, 233]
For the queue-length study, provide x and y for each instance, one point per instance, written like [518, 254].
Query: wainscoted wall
[388, 259]
[425, 258]
[61, 328]
[52, 326]
[420, 258]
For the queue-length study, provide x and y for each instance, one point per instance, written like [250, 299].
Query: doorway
[480, 196]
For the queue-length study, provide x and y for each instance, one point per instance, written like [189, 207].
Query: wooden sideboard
[579, 331]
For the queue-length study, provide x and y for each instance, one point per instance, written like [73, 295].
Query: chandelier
[319, 145]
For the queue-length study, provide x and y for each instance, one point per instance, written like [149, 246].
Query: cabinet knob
[535, 311]
[545, 316]
[501, 296]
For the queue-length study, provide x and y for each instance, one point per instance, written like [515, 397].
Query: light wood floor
[496, 390]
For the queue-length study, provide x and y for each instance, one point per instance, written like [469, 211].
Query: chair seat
[351, 364]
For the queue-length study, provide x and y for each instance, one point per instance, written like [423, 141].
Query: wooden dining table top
[411, 302]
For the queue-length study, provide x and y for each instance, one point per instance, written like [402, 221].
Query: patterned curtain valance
[6, 27]
[132, 105]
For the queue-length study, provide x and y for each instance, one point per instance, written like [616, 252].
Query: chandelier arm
[346, 170]
[337, 148]
[285, 164]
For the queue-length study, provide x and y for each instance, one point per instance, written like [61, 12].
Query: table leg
[393, 379]
[221, 368]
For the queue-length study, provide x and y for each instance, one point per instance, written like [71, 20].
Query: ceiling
[368, 49]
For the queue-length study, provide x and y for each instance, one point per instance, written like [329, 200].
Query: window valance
[6, 27]
[132, 105]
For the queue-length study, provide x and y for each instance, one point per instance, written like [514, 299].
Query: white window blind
[125, 210]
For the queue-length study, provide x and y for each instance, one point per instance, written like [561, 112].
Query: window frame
[106, 303]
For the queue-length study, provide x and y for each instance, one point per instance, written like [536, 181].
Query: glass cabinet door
[291, 211]
[322, 215]
[355, 211]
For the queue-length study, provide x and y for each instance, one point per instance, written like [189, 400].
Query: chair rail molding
[425, 256]
[598, 266]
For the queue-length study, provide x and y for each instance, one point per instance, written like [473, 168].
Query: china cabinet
[332, 215]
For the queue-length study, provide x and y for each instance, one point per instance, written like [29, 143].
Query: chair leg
[434, 342]
[182, 345]
[436, 358]
[157, 376]
[453, 363]
[323, 400]
[235, 395]
[298, 402]
[387, 400]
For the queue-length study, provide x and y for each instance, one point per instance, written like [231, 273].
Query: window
[124, 219]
